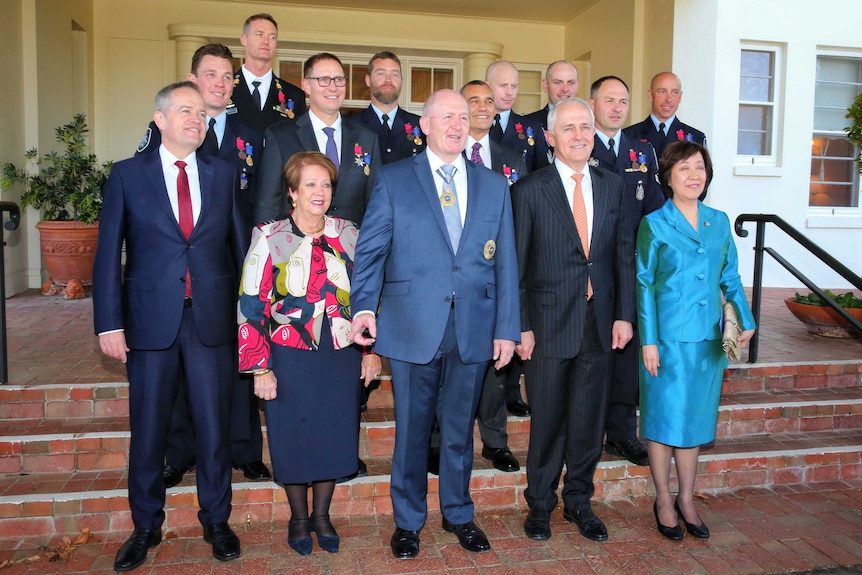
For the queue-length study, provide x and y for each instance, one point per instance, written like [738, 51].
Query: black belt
[187, 302]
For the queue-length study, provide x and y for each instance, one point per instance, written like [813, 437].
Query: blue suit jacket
[406, 266]
[682, 275]
[145, 298]
[235, 127]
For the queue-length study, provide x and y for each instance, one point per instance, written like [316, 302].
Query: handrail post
[12, 224]
[757, 288]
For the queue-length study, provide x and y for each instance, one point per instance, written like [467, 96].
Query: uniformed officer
[261, 97]
[231, 139]
[635, 161]
[560, 83]
[511, 129]
[662, 127]
[397, 129]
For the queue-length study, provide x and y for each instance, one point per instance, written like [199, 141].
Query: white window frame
[837, 216]
[773, 159]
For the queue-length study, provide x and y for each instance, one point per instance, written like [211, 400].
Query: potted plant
[67, 187]
[820, 319]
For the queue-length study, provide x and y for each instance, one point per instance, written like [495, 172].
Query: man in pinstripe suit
[577, 304]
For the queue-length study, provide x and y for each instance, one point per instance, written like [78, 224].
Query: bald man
[510, 128]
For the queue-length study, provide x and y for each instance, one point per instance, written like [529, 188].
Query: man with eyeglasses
[261, 98]
[354, 150]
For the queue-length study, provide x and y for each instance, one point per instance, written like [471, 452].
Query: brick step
[85, 400]
[62, 503]
[99, 444]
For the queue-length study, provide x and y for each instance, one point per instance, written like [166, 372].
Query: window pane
[754, 118]
[756, 63]
[752, 144]
[291, 72]
[838, 69]
[358, 89]
[442, 79]
[420, 84]
[833, 172]
[755, 89]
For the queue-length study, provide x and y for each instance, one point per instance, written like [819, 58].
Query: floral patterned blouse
[291, 284]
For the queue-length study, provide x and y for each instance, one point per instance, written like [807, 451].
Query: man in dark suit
[577, 288]
[635, 162]
[228, 138]
[171, 308]
[560, 82]
[397, 129]
[482, 150]
[662, 127]
[511, 129]
[436, 258]
[261, 97]
[354, 150]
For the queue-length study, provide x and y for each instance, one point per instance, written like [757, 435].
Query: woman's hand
[744, 337]
[371, 367]
[651, 363]
[264, 386]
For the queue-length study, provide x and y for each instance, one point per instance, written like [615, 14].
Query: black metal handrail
[14, 219]
[814, 249]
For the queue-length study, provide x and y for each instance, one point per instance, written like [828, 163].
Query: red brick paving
[753, 531]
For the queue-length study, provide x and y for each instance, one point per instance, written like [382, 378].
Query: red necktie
[579, 210]
[187, 218]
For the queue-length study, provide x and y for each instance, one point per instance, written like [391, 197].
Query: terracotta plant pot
[68, 249]
[825, 321]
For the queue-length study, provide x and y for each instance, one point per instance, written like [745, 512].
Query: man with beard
[397, 129]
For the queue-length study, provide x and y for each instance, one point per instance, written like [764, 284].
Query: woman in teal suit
[686, 261]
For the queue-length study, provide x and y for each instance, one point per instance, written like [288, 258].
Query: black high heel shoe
[295, 538]
[327, 542]
[700, 531]
[673, 533]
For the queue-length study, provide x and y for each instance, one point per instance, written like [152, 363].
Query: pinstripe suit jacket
[553, 269]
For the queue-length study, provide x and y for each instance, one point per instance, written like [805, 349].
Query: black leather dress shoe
[469, 535]
[404, 543]
[537, 525]
[173, 475]
[434, 461]
[631, 449]
[133, 552]
[588, 523]
[224, 541]
[518, 408]
[255, 471]
[502, 458]
[700, 531]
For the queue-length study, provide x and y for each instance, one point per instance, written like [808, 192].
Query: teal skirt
[679, 407]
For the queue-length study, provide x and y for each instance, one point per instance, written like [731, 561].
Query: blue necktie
[331, 148]
[449, 201]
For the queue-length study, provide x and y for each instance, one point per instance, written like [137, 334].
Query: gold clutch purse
[730, 333]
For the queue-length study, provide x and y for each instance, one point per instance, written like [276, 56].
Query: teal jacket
[682, 274]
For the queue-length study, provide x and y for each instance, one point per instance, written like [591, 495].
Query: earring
[293, 204]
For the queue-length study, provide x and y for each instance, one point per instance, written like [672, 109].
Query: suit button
[701, 276]
[447, 299]
[183, 279]
[702, 302]
[456, 269]
[700, 250]
[389, 150]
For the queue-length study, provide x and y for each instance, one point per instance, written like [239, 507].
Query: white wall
[707, 39]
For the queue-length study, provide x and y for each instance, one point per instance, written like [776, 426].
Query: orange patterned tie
[580, 212]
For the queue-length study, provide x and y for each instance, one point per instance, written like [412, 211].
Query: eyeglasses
[324, 81]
